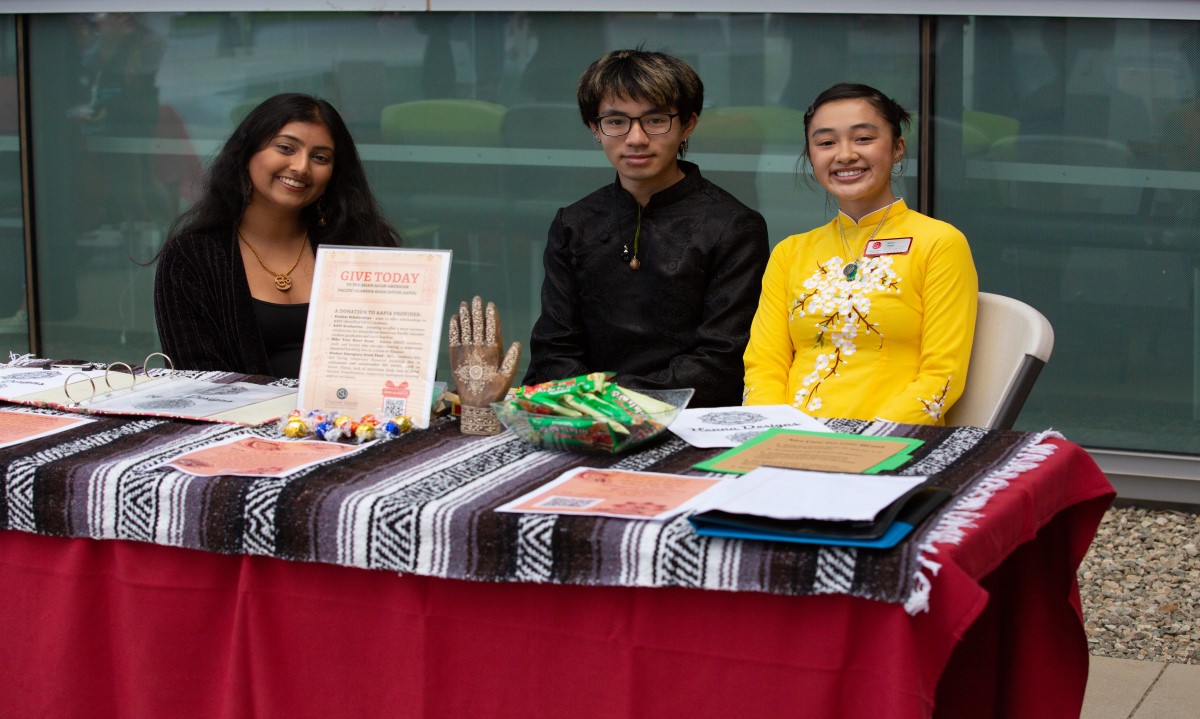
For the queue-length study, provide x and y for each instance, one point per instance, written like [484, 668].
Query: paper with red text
[374, 329]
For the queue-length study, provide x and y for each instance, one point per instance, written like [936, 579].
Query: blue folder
[889, 528]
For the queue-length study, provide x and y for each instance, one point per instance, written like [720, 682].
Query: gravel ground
[1140, 585]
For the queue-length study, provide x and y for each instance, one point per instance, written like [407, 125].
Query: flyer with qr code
[258, 457]
[614, 493]
[374, 330]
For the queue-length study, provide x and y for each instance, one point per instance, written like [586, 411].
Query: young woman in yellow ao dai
[872, 315]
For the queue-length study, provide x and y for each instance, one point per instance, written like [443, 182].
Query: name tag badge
[894, 246]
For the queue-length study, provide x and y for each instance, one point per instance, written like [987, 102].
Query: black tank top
[282, 330]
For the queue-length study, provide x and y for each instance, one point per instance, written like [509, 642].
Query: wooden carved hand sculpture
[481, 376]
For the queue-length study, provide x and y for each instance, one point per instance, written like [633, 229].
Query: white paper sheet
[730, 426]
[186, 397]
[797, 494]
[18, 382]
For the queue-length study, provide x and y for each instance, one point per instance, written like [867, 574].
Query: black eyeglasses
[653, 123]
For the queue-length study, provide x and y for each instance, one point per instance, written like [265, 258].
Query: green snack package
[542, 404]
[649, 405]
[593, 382]
[621, 398]
[585, 404]
[602, 407]
[588, 412]
[574, 433]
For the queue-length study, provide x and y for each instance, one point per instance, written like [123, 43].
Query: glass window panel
[1067, 152]
[125, 128]
[14, 322]
[102, 193]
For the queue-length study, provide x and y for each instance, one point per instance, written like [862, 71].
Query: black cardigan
[203, 308]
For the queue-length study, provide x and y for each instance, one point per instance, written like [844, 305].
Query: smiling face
[852, 149]
[644, 163]
[293, 168]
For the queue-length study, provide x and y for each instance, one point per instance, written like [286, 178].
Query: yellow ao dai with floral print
[892, 343]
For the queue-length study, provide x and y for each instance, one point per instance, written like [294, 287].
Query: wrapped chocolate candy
[295, 426]
[397, 426]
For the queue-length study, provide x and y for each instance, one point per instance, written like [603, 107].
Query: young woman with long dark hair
[232, 287]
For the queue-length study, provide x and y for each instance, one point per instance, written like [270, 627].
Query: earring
[683, 147]
[597, 139]
[321, 211]
[899, 167]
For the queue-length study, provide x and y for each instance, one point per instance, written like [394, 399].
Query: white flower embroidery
[936, 407]
[841, 307]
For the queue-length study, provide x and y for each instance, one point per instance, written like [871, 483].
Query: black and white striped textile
[423, 504]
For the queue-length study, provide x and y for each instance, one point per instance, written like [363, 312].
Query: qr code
[558, 502]
[394, 406]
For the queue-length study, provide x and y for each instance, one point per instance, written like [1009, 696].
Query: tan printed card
[18, 427]
[614, 493]
[259, 457]
[820, 451]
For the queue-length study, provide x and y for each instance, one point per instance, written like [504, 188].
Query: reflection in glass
[1066, 151]
[14, 318]
[466, 122]
[1064, 156]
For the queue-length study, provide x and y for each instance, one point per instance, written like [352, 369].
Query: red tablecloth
[125, 629]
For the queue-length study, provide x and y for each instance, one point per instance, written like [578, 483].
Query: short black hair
[655, 77]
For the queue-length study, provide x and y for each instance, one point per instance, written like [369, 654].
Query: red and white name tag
[894, 246]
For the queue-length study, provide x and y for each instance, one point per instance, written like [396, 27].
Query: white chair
[1012, 343]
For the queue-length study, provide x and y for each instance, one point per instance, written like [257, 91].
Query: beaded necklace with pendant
[851, 268]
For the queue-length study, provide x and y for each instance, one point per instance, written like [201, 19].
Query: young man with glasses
[655, 277]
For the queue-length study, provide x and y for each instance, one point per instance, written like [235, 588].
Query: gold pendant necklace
[283, 280]
[851, 268]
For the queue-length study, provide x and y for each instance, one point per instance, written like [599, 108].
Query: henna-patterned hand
[480, 375]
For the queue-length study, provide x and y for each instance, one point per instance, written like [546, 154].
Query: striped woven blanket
[423, 503]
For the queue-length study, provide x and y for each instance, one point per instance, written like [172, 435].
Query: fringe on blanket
[16, 360]
[953, 525]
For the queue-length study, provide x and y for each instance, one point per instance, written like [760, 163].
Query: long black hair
[351, 213]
